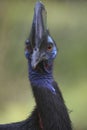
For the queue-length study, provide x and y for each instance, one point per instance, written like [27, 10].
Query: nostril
[36, 49]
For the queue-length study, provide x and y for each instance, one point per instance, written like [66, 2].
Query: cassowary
[50, 112]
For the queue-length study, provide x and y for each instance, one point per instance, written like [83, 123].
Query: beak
[38, 30]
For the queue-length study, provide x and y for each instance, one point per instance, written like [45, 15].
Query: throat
[43, 81]
[42, 78]
[40, 73]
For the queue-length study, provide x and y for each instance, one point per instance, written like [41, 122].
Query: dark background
[67, 21]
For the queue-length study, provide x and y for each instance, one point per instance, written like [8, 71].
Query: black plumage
[50, 112]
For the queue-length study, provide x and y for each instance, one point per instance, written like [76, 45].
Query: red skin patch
[40, 121]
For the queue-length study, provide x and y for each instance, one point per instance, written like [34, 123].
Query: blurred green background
[67, 22]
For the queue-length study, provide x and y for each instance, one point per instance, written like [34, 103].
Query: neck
[41, 78]
[35, 75]
[49, 101]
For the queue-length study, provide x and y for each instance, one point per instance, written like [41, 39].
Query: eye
[28, 46]
[49, 47]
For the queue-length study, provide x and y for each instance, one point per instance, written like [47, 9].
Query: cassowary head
[40, 47]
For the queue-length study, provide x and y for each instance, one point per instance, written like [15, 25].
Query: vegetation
[68, 25]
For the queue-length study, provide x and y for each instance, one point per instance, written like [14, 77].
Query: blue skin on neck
[41, 79]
